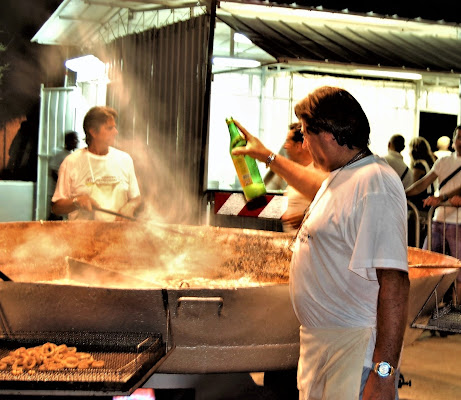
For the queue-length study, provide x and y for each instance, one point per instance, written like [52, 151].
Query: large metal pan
[238, 327]
[36, 251]
[248, 327]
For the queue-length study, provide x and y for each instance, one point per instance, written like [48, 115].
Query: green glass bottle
[246, 167]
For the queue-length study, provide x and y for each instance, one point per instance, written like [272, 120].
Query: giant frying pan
[219, 295]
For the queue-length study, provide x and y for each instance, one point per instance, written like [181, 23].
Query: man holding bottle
[349, 272]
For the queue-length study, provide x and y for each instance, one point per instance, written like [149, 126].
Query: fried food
[97, 364]
[71, 362]
[48, 357]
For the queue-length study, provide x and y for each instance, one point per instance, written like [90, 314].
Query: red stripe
[219, 200]
[255, 207]
[251, 209]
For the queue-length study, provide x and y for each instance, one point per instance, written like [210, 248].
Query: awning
[322, 41]
[350, 45]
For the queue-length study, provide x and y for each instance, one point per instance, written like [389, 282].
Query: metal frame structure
[92, 22]
[445, 317]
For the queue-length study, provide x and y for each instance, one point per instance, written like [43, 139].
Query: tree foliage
[2, 65]
[3, 69]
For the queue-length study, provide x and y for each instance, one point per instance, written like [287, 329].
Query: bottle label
[242, 170]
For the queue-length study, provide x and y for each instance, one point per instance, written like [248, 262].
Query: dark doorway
[434, 125]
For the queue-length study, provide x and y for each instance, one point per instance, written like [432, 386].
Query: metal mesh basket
[127, 357]
[446, 319]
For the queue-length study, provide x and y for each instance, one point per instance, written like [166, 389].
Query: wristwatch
[270, 159]
[383, 369]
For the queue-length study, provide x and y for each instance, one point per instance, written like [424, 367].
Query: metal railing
[425, 219]
[417, 223]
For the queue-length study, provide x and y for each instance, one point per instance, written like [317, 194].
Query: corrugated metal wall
[57, 116]
[159, 87]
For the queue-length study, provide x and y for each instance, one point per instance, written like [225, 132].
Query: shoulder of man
[378, 168]
[121, 155]
[74, 156]
[446, 162]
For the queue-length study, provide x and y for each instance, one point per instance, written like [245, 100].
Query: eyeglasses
[292, 139]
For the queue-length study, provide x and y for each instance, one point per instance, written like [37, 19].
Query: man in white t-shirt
[349, 272]
[395, 159]
[443, 146]
[98, 176]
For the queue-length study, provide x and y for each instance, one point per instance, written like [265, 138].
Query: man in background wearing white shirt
[395, 160]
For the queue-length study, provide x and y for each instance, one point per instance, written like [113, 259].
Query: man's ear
[341, 140]
[330, 137]
[92, 132]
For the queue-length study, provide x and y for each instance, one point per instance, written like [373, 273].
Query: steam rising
[164, 255]
[39, 247]
[151, 248]
[164, 200]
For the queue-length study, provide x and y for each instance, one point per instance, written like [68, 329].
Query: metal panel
[343, 45]
[17, 200]
[158, 85]
[57, 115]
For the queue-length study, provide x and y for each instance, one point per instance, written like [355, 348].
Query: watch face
[384, 369]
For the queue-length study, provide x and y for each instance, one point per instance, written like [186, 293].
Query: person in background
[422, 160]
[349, 280]
[443, 146]
[395, 159]
[422, 157]
[446, 220]
[70, 144]
[455, 200]
[297, 203]
[98, 176]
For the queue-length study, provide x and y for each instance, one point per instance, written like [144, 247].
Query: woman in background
[422, 160]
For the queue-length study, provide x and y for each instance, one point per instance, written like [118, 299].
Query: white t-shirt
[395, 160]
[357, 223]
[109, 179]
[53, 165]
[443, 153]
[443, 167]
